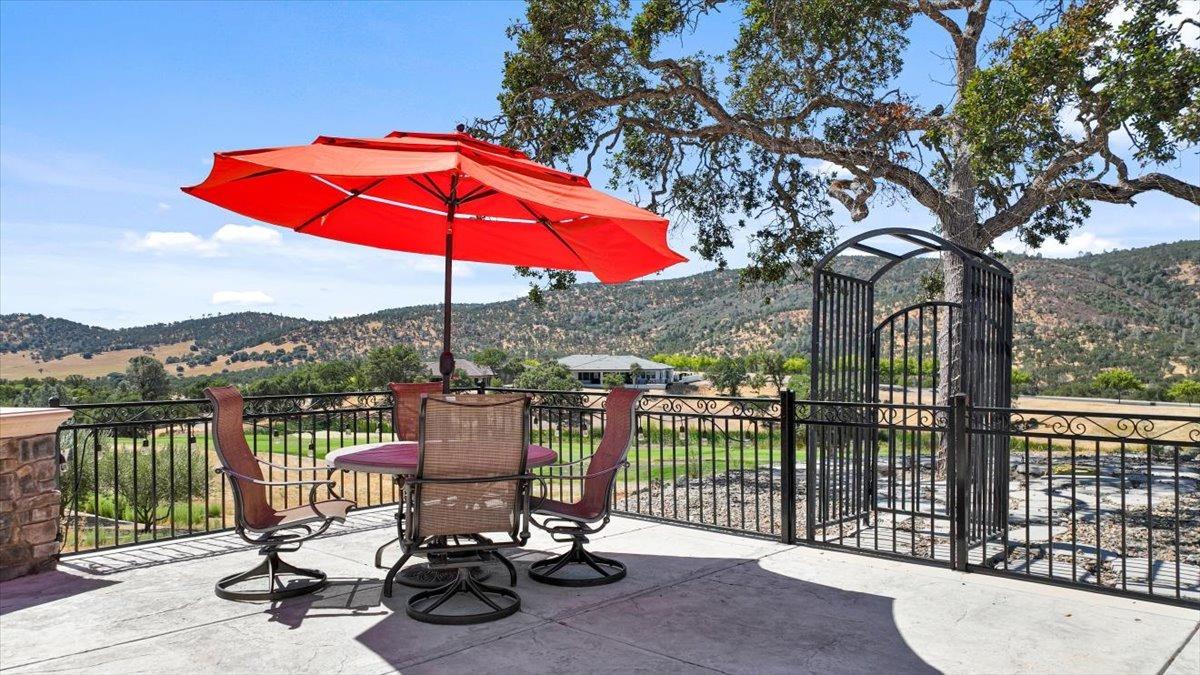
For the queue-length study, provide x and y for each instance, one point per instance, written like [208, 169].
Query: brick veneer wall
[29, 505]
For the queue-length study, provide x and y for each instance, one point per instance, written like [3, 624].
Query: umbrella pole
[446, 362]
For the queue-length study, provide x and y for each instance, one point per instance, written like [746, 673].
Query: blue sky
[105, 110]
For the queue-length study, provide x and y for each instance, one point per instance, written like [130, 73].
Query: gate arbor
[887, 459]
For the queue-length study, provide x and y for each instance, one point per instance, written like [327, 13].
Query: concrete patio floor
[694, 601]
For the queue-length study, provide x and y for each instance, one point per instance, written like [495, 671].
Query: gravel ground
[746, 500]
[1137, 534]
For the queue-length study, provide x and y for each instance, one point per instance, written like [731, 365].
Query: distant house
[481, 374]
[639, 372]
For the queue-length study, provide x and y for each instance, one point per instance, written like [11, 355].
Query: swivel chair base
[270, 569]
[606, 570]
[502, 602]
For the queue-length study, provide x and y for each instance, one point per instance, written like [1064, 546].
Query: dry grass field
[14, 366]
[1084, 419]
[22, 364]
[1078, 405]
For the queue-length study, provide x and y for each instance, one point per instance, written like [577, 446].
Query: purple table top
[401, 457]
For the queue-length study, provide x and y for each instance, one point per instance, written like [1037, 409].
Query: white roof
[470, 368]
[615, 362]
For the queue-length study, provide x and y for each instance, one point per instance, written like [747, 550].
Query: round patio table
[399, 458]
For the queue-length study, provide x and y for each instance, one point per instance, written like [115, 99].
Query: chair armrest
[586, 476]
[469, 479]
[273, 483]
[543, 481]
[291, 468]
[581, 460]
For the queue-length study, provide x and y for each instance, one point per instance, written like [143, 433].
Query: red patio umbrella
[442, 194]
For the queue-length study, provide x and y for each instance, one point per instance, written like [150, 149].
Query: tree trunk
[949, 348]
[949, 352]
[950, 339]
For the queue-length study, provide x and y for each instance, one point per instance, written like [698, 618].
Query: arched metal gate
[883, 463]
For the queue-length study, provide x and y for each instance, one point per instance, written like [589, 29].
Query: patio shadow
[45, 587]
[340, 598]
[153, 554]
[724, 613]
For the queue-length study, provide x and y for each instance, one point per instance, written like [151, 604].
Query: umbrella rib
[545, 222]
[437, 194]
[348, 197]
[478, 193]
[444, 197]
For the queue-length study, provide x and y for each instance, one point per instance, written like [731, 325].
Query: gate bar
[958, 466]
[787, 436]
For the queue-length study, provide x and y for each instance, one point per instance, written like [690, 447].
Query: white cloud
[228, 238]
[1119, 14]
[250, 235]
[1084, 242]
[241, 298]
[170, 242]
[1068, 117]
[163, 207]
[232, 239]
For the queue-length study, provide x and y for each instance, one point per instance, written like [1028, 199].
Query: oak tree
[1048, 106]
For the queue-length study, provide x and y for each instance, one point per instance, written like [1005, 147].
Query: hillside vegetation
[1137, 309]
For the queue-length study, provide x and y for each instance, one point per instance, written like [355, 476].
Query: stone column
[29, 495]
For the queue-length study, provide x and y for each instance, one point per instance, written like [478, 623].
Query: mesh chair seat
[580, 511]
[593, 505]
[470, 436]
[332, 508]
[276, 530]
[406, 426]
[406, 407]
[470, 481]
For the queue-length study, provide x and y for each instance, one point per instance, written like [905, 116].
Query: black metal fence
[141, 472]
[1095, 500]
[714, 462]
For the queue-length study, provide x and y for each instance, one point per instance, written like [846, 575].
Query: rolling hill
[1137, 308]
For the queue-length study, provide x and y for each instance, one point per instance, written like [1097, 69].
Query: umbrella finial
[461, 128]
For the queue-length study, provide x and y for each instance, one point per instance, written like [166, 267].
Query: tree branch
[1121, 192]
[878, 165]
[935, 12]
[755, 131]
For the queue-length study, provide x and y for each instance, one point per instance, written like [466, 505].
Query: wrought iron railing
[1096, 500]
[712, 462]
[1110, 501]
[140, 472]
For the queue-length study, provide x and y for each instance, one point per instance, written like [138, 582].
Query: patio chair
[471, 481]
[406, 407]
[277, 530]
[573, 522]
[406, 420]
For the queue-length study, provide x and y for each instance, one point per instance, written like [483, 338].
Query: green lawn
[660, 452]
[268, 445]
[664, 453]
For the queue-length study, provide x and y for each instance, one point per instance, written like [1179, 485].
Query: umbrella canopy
[442, 194]
[402, 191]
